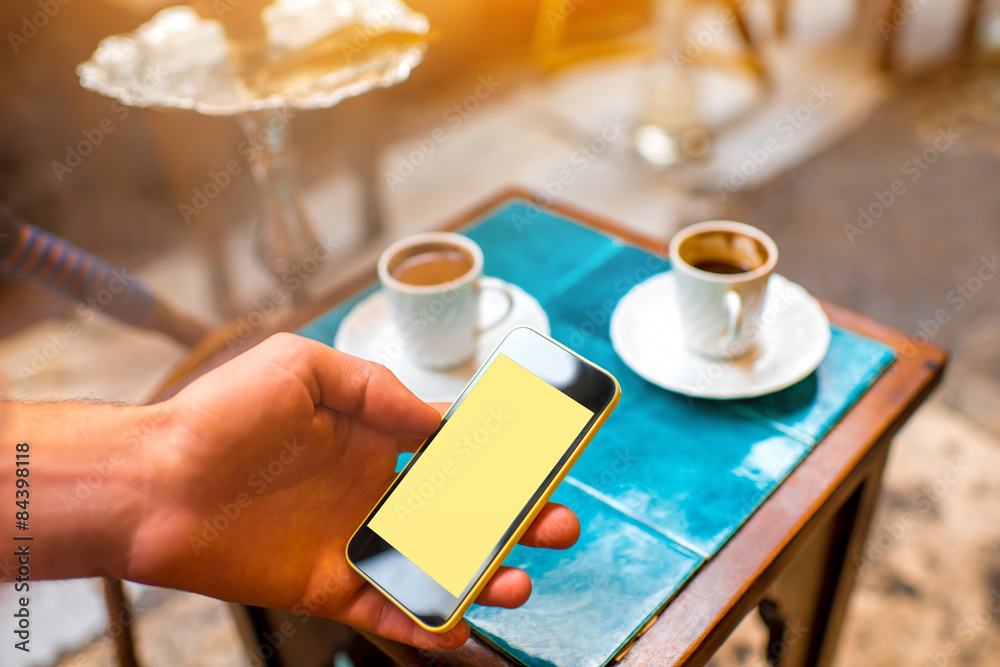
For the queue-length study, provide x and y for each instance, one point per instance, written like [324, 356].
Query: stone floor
[931, 568]
[932, 556]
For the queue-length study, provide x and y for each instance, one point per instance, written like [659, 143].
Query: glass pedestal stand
[284, 235]
[305, 56]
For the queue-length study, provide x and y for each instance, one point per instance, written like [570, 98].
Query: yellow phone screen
[484, 465]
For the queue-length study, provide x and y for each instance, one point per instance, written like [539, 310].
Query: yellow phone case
[497, 561]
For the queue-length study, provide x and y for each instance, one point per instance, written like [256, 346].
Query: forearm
[84, 472]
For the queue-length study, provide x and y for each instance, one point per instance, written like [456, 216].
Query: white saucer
[646, 334]
[368, 332]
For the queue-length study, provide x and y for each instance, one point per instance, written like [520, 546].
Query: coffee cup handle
[734, 306]
[496, 285]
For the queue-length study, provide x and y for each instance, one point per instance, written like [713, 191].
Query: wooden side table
[797, 552]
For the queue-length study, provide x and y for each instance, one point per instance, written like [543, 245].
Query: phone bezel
[420, 596]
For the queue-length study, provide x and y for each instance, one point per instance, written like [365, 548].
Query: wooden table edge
[684, 633]
[689, 624]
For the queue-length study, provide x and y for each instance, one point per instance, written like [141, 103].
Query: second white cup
[721, 270]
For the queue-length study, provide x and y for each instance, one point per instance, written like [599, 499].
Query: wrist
[86, 482]
[133, 457]
[139, 455]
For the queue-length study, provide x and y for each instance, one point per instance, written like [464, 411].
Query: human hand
[266, 467]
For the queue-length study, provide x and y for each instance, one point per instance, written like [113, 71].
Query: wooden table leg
[121, 620]
[888, 50]
[811, 595]
[279, 638]
[973, 10]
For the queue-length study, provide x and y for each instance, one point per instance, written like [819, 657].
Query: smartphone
[471, 490]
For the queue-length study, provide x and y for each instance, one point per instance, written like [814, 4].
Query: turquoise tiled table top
[668, 479]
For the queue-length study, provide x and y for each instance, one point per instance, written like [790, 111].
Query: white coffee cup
[721, 271]
[436, 306]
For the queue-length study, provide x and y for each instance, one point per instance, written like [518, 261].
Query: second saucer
[646, 334]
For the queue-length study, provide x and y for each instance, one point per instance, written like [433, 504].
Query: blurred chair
[895, 9]
[890, 17]
[41, 258]
[571, 31]
[568, 32]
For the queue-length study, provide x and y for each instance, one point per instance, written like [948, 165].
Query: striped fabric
[41, 258]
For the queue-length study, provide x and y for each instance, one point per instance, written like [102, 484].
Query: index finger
[410, 445]
[364, 389]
